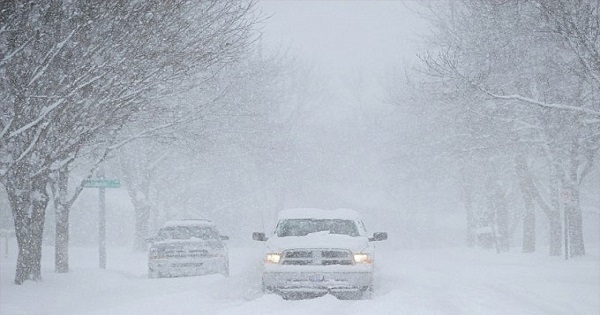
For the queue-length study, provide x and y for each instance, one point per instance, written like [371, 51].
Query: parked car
[314, 252]
[188, 247]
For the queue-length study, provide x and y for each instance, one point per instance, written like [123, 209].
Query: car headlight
[362, 258]
[272, 258]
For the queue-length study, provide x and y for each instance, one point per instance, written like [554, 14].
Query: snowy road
[440, 281]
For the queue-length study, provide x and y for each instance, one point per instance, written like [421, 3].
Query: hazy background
[350, 146]
[349, 140]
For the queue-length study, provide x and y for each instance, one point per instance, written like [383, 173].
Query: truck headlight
[362, 258]
[272, 258]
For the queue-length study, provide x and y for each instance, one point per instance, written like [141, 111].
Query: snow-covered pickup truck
[313, 252]
[188, 247]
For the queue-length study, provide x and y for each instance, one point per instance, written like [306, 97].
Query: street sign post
[102, 183]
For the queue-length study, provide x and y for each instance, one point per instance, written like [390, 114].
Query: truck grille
[185, 253]
[323, 257]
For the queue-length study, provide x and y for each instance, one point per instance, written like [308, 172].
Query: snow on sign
[102, 183]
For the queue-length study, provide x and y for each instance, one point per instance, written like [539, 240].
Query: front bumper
[318, 280]
[185, 267]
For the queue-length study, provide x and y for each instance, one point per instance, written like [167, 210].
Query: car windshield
[303, 227]
[187, 232]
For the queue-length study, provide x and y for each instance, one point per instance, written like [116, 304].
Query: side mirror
[259, 236]
[224, 237]
[379, 236]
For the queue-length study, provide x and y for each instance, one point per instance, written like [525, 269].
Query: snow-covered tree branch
[75, 72]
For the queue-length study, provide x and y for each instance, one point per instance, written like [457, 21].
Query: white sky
[350, 45]
[366, 35]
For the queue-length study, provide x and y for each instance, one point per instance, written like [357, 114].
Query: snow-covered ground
[434, 281]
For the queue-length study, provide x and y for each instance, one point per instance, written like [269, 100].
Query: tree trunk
[61, 247]
[554, 216]
[572, 207]
[529, 237]
[142, 222]
[497, 206]
[138, 181]
[555, 233]
[467, 191]
[28, 199]
[502, 221]
[525, 182]
[575, 219]
[552, 211]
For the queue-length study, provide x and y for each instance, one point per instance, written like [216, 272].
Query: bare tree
[76, 72]
[236, 123]
[497, 59]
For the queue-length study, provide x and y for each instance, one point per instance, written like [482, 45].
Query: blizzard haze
[468, 132]
[345, 35]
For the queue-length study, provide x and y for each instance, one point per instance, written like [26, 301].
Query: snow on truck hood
[314, 213]
[192, 242]
[317, 240]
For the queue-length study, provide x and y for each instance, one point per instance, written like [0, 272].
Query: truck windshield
[187, 232]
[303, 227]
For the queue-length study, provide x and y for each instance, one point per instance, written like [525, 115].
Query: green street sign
[102, 183]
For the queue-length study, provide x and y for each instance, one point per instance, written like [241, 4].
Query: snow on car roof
[188, 222]
[314, 213]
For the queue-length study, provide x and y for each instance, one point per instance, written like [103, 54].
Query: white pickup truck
[313, 252]
[188, 247]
